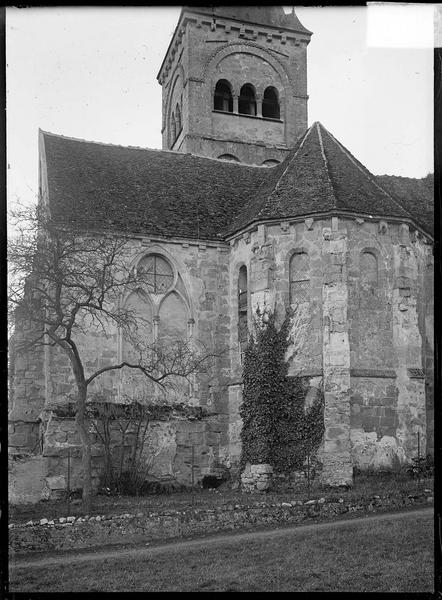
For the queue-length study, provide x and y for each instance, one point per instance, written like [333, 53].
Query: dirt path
[155, 548]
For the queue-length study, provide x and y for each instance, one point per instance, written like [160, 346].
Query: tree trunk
[83, 431]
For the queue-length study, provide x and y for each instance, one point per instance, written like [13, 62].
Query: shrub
[276, 428]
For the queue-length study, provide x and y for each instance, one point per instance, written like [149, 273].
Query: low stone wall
[68, 533]
[177, 435]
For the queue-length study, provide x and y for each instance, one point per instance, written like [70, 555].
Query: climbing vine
[276, 427]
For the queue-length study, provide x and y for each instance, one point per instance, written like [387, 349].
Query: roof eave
[233, 233]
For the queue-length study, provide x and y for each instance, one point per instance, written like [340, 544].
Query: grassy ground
[364, 486]
[380, 556]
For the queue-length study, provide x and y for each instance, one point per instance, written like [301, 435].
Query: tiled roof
[416, 195]
[169, 194]
[319, 175]
[152, 191]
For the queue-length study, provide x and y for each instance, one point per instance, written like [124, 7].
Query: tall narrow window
[242, 308]
[247, 101]
[178, 119]
[270, 104]
[223, 96]
[299, 278]
[172, 129]
[369, 271]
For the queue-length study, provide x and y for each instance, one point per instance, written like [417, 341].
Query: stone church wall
[43, 382]
[26, 387]
[368, 342]
[367, 345]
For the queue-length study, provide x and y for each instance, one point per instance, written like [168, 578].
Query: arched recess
[222, 96]
[247, 100]
[173, 318]
[163, 309]
[369, 270]
[179, 123]
[248, 47]
[271, 162]
[160, 276]
[299, 278]
[172, 129]
[270, 103]
[173, 98]
[229, 157]
[140, 331]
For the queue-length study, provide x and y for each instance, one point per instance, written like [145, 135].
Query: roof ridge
[366, 172]
[75, 139]
[324, 156]
[289, 162]
[301, 143]
[145, 148]
[273, 188]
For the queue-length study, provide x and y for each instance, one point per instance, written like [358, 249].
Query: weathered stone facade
[362, 279]
[207, 48]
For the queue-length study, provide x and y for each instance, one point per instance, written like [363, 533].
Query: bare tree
[65, 282]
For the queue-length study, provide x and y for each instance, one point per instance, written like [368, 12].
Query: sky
[90, 73]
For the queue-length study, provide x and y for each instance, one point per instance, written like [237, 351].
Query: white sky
[91, 73]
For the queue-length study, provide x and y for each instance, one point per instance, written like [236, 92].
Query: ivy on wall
[276, 428]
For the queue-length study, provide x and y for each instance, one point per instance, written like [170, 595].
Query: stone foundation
[257, 478]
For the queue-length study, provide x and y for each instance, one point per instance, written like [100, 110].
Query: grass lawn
[379, 556]
[364, 486]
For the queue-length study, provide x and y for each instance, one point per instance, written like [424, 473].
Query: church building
[246, 207]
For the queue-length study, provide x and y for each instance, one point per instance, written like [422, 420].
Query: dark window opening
[179, 124]
[247, 101]
[223, 97]
[172, 129]
[243, 332]
[270, 104]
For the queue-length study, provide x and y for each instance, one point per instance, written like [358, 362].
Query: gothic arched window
[270, 104]
[369, 270]
[159, 318]
[178, 124]
[223, 96]
[156, 273]
[242, 308]
[247, 101]
[173, 317]
[299, 277]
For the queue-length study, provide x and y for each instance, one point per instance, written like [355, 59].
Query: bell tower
[234, 82]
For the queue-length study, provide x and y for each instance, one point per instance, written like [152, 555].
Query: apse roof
[156, 192]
